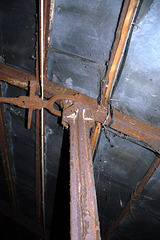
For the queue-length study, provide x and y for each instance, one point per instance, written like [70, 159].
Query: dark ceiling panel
[53, 144]
[22, 155]
[141, 223]
[82, 34]
[22, 152]
[76, 73]
[137, 92]
[17, 36]
[119, 166]
[85, 28]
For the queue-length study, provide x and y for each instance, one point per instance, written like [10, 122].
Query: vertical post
[83, 206]
[38, 184]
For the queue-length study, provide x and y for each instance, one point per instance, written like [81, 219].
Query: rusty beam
[15, 76]
[5, 156]
[137, 129]
[38, 183]
[122, 33]
[83, 206]
[115, 59]
[122, 122]
[94, 136]
[133, 129]
[48, 16]
[116, 44]
[19, 78]
[134, 196]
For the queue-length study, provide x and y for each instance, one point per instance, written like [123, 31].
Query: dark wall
[82, 33]
[17, 33]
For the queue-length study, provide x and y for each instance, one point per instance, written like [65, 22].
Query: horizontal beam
[137, 129]
[15, 76]
[19, 78]
[131, 126]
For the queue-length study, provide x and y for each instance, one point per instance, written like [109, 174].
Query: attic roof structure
[80, 119]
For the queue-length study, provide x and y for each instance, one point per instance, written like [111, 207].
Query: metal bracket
[34, 102]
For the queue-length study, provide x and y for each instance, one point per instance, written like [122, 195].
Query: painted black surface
[17, 33]
[60, 225]
[53, 144]
[4, 194]
[12, 230]
[22, 154]
[22, 151]
[82, 34]
[137, 92]
[118, 169]
[141, 222]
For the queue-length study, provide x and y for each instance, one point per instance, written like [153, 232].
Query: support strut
[83, 207]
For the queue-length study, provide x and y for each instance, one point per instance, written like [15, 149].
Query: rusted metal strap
[126, 18]
[137, 129]
[133, 129]
[19, 78]
[84, 214]
[48, 15]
